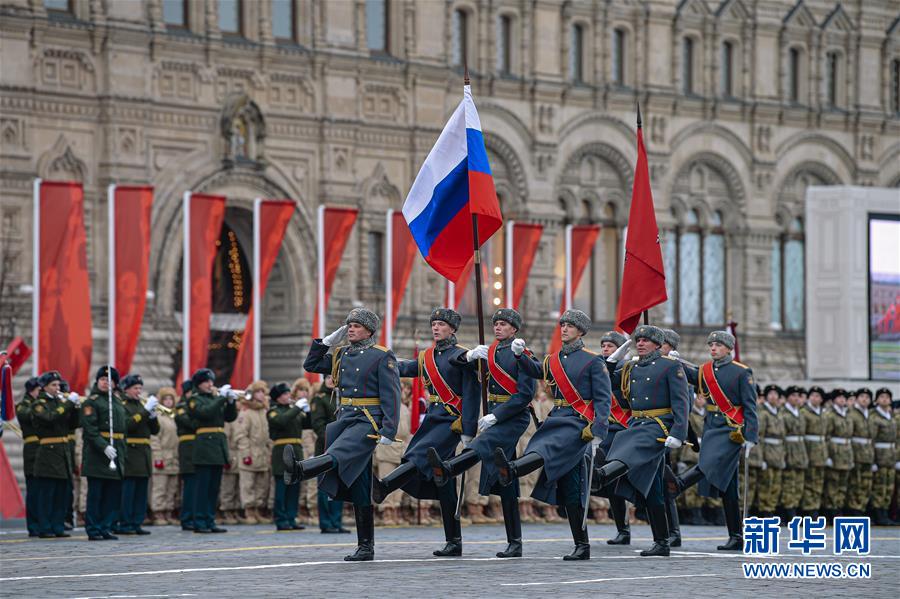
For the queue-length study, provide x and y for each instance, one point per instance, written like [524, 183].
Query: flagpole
[320, 288]
[388, 279]
[36, 279]
[567, 291]
[257, 307]
[508, 263]
[186, 290]
[111, 274]
[646, 314]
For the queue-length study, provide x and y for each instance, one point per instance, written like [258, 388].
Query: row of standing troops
[638, 408]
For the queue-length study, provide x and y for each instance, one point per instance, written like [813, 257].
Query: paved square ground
[255, 561]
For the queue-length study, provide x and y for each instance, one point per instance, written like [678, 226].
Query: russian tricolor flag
[453, 185]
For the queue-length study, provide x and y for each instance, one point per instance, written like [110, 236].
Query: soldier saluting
[730, 424]
[366, 377]
[453, 409]
[577, 424]
[510, 391]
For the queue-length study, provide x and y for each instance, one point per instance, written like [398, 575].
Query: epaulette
[463, 347]
[668, 358]
[589, 352]
[739, 364]
[381, 347]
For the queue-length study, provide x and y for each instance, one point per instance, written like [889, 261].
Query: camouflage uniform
[860, 486]
[838, 431]
[884, 431]
[796, 460]
[814, 437]
[771, 440]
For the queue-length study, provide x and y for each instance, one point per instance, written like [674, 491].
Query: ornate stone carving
[244, 131]
[383, 102]
[65, 69]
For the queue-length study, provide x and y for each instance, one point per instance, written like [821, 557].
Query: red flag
[17, 352]
[274, 216]
[584, 237]
[63, 323]
[205, 224]
[402, 254]
[131, 234]
[11, 504]
[644, 278]
[525, 240]
[417, 395]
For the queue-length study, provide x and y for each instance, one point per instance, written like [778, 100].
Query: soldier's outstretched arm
[601, 394]
[679, 398]
[408, 368]
[748, 400]
[389, 394]
[318, 359]
[182, 417]
[530, 365]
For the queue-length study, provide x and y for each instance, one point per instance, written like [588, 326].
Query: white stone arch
[509, 174]
[813, 148]
[599, 173]
[889, 167]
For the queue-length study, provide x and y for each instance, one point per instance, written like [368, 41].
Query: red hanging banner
[584, 237]
[131, 230]
[274, 216]
[63, 314]
[402, 256]
[459, 288]
[526, 238]
[204, 225]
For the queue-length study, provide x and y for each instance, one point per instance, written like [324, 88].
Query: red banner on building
[581, 247]
[63, 315]
[525, 240]
[270, 221]
[130, 235]
[459, 288]
[401, 257]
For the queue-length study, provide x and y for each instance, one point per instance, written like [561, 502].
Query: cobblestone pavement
[255, 561]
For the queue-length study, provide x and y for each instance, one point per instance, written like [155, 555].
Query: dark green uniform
[29, 452]
[859, 488]
[52, 418]
[286, 424]
[322, 412]
[210, 413]
[814, 437]
[796, 460]
[104, 483]
[138, 465]
[186, 429]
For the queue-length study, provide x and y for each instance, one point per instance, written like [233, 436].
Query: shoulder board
[739, 364]
[273, 413]
[589, 352]
[381, 347]
[463, 347]
[668, 358]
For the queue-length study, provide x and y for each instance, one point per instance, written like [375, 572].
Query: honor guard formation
[634, 431]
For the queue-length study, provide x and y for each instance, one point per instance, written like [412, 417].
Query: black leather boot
[733, 523]
[395, 479]
[575, 513]
[452, 528]
[610, 472]
[620, 515]
[445, 470]
[677, 484]
[659, 525]
[510, 471]
[296, 470]
[513, 523]
[365, 534]
[672, 519]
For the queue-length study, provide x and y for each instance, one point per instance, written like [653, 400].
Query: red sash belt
[500, 376]
[731, 411]
[567, 389]
[441, 388]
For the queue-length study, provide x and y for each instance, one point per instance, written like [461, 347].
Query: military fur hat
[650, 333]
[186, 386]
[865, 390]
[884, 390]
[130, 381]
[102, 372]
[32, 384]
[508, 315]
[838, 392]
[614, 337]
[818, 390]
[577, 319]
[779, 390]
[278, 390]
[166, 392]
[201, 376]
[365, 317]
[49, 377]
[801, 390]
[257, 386]
[723, 337]
[671, 337]
[447, 315]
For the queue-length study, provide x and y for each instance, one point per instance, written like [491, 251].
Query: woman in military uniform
[287, 419]
[141, 422]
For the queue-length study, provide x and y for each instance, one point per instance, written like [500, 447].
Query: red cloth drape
[583, 239]
[17, 352]
[132, 235]
[207, 214]
[11, 504]
[644, 277]
[459, 288]
[402, 257]
[526, 238]
[65, 339]
[274, 216]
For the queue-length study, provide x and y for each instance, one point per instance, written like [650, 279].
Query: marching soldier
[657, 393]
[816, 451]
[771, 433]
[52, 416]
[29, 451]
[577, 425]
[164, 450]
[186, 427]
[796, 459]
[756, 464]
[838, 432]
[210, 411]
[687, 458]
[731, 423]
[671, 339]
[884, 427]
[859, 489]
[141, 422]
[454, 405]
[323, 411]
[286, 420]
[368, 381]
[255, 452]
[73, 452]
[510, 391]
[103, 458]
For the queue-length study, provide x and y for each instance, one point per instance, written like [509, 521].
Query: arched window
[460, 38]
[726, 83]
[619, 57]
[505, 45]
[687, 66]
[576, 54]
[175, 14]
[231, 20]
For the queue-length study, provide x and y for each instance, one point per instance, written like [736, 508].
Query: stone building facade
[746, 103]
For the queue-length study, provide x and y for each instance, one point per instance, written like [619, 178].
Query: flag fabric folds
[644, 278]
[453, 184]
[525, 240]
[17, 352]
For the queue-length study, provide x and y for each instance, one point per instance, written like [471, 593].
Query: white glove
[763, 466]
[674, 354]
[486, 422]
[479, 352]
[896, 465]
[874, 467]
[620, 353]
[383, 440]
[673, 443]
[335, 337]
[303, 404]
[748, 446]
[151, 404]
[595, 443]
[73, 397]
[224, 390]
[517, 347]
[829, 463]
[466, 439]
[110, 452]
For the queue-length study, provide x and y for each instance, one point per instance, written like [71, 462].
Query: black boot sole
[620, 540]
